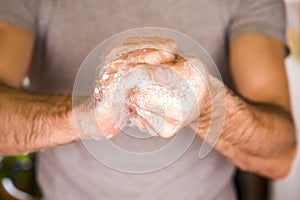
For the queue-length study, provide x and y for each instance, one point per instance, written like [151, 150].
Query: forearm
[31, 122]
[257, 138]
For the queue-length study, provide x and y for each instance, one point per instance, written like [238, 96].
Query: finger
[107, 122]
[151, 50]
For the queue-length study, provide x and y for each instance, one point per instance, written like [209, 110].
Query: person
[49, 39]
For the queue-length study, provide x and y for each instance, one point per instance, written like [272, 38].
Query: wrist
[212, 107]
[61, 122]
[218, 111]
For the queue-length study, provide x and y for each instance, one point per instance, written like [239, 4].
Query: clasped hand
[146, 83]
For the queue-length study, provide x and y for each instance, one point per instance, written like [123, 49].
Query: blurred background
[17, 173]
[289, 187]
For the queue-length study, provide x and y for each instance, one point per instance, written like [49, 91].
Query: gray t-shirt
[66, 30]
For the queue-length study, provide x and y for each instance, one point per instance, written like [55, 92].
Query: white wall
[289, 188]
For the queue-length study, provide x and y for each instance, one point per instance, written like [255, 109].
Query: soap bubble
[139, 84]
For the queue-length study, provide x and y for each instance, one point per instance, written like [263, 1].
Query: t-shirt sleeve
[21, 13]
[259, 16]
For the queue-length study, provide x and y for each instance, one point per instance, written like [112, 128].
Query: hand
[145, 82]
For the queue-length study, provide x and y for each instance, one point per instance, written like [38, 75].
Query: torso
[67, 31]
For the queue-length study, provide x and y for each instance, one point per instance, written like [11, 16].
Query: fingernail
[109, 136]
[105, 76]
